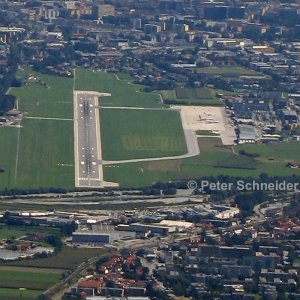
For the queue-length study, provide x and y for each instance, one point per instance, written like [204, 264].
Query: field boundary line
[134, 108]
[17, 154]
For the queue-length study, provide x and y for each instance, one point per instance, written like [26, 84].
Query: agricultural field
[27, 278]
[26, 283]
[37, 275]
[8, 231]
[16, 294]
[128, 134]
[67, 259]
[123, 92]
[213, 160]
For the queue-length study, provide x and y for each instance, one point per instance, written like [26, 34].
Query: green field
[32, 281]
[36, 100]
[240, 71]
[193, 96]
[40, 274]
[190, 93]
[27, 278]
[68, 258]
[39, 154]
[123, 92]
[16, 294]
[213, 160]
[128, 134]
[8, 231]
[283, 152]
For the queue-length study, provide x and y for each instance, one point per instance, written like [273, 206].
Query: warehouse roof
[176, 223]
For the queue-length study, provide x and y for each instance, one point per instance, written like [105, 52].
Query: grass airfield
[129, 134]
[39, 153]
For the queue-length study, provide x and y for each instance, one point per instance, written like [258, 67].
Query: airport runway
[88, 171]
[87, 141]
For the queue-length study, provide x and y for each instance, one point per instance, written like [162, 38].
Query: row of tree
[7, 73]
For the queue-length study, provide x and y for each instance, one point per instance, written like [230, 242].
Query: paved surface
[208, 118]
[41, 118]
[87, 141]
[87, 148]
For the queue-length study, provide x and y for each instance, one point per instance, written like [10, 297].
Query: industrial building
[179, 225]
[94, 237]
[289, 116]
[247, 134]
[162, 230]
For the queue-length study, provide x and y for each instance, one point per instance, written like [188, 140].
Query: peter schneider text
[242, 185]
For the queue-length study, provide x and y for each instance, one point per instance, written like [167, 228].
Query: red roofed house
[90, 287]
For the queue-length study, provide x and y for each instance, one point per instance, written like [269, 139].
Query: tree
[169, 191]
[54, 240]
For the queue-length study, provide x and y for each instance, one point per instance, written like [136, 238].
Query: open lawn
[37, 100]
[193, 96]
[213, 160]
[279, 152]
[130, 134]
[39, 154]
[16, 294]
[123, 93]
[8, 139]
[190, 93]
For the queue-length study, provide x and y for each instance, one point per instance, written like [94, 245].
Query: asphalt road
[87, 141]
